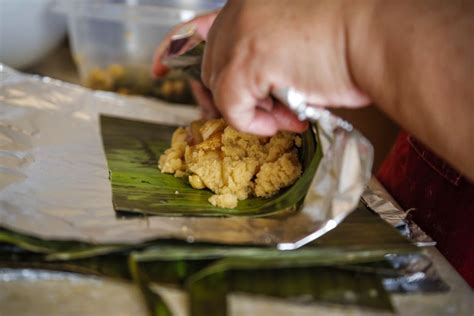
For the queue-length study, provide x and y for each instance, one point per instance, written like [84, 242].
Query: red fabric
[442, 200]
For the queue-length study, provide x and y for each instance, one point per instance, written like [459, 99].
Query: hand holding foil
[246, 61]
[346, 166]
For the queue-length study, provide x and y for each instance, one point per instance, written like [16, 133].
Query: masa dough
[232, 164]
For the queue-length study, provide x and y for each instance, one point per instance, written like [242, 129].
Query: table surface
[459, 300]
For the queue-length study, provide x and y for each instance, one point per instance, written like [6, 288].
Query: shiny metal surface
[54, 177]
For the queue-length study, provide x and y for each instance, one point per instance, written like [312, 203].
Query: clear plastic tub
[113, 41]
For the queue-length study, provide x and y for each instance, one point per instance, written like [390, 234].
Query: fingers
[202, 23]
[237, 103]
[158, 69]
[216, 51]
[249, 110]
[267, 111]
[286, 120]
[280, 118]
[260, 123]
[204, 99]
[266, 104]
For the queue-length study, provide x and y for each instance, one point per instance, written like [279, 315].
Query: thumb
[249, 113]
[238, 105]
[286, 120]
[202, 24]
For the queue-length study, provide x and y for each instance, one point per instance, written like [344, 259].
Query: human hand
[201, 93]
[338, 53]
[255, 46]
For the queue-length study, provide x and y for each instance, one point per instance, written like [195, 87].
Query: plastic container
[113, 41]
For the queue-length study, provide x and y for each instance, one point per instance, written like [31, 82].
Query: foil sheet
[31, 292]
[417, 273]
[54, 178]
[399, 219]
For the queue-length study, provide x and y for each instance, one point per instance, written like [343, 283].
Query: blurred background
[109, 45]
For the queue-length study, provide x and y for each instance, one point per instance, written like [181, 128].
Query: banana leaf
[343, 267]
[349, 259]
[112, 266]
[175, 263]
[209, 281]
[313, 284]
[133, 148]
[209, 273]
[363, 233]
[155, 303]
[208, 285]
[58, 249]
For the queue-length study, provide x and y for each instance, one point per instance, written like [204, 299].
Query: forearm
[416, 60]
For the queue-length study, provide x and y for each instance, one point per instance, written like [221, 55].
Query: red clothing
[442, 199]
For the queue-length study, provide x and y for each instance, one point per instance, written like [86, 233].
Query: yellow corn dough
[232, 164]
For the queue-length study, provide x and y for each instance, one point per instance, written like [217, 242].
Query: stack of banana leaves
[350, 259]
[347, 266]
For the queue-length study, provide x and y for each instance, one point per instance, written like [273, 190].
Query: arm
[416, 61]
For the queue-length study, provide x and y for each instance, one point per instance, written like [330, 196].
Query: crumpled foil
[417, 273]
[396, 217]
[54, 178]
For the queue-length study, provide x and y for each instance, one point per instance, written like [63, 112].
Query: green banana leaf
[58, 249]
[248, 273]
[155, 303]
[349, 259]
[331, 285]
[363, 233]
[112, 266]
[133, 148]
[209, 280]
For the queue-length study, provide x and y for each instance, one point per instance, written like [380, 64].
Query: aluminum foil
[417, 273]
[393, 215]
[30, 292]
[54, 179]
